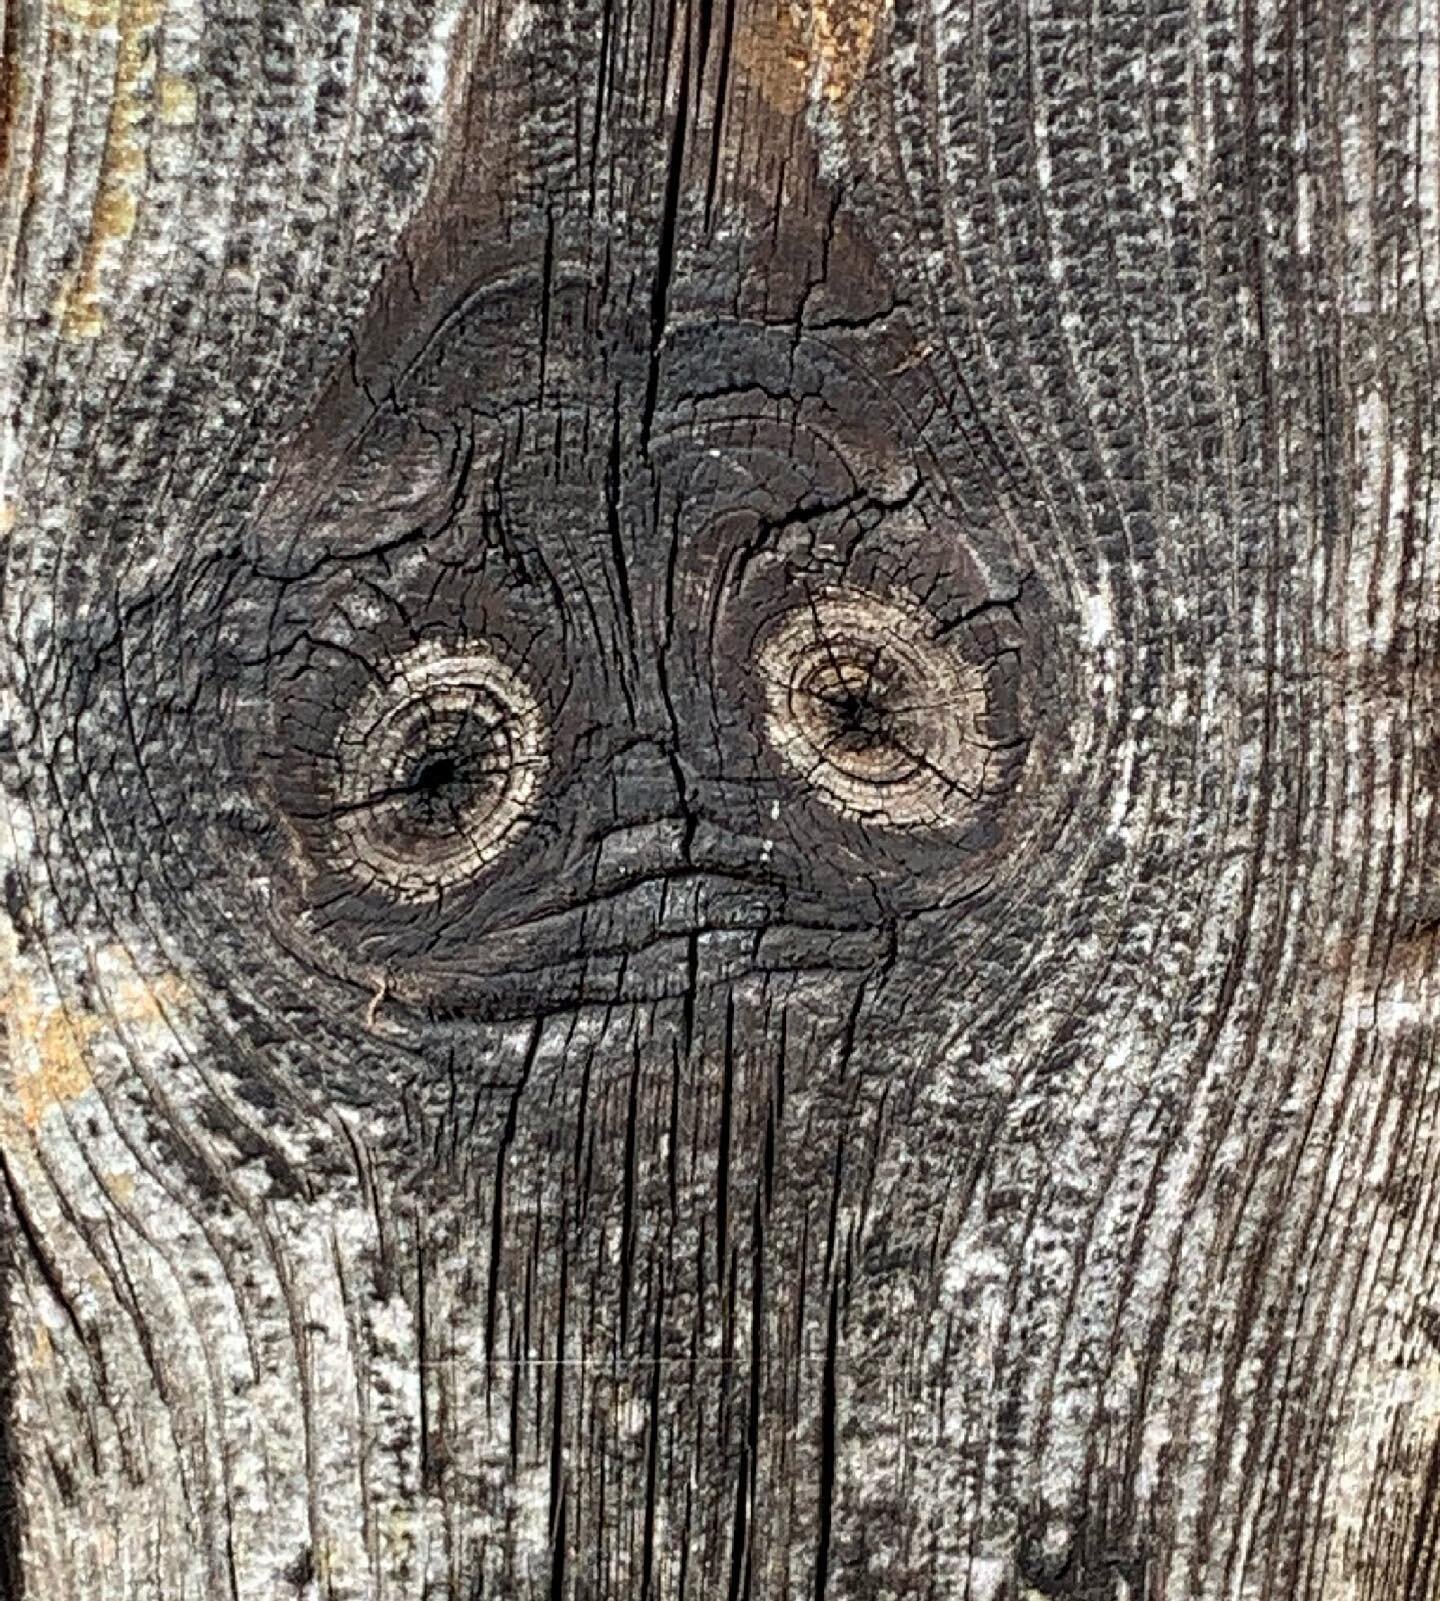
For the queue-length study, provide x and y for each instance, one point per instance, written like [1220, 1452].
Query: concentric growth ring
[440, 767]
[866, 705]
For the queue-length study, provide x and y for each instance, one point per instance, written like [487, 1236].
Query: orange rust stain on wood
[771, 48]
[50, 1045]
[794, 52]
[122, 165]
[49, 1056]
[844, 34]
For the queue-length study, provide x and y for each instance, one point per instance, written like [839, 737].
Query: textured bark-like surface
[718, 801]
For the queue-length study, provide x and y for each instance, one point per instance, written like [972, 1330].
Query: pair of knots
[860, 697]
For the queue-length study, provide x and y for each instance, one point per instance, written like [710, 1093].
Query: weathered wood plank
[718, 789]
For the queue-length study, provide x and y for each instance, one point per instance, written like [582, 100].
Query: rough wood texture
[720, 726]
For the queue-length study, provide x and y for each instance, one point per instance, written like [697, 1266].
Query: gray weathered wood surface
[650, 1150]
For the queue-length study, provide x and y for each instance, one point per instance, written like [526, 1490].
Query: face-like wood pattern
[717, 803]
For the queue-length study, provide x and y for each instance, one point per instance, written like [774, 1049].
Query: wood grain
[727, 1178]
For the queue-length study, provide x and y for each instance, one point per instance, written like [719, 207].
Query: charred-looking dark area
[718, 770]
[637, 702]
